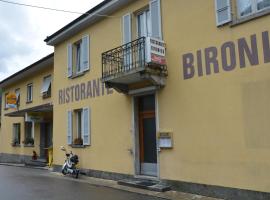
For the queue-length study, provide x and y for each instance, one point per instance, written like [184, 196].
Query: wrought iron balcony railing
[126, 59]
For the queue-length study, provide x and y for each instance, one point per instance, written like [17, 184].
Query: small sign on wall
[11, 100]
[165, 140]
[33, 117]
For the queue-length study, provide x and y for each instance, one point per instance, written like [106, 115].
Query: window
[148, 23]
[29, 133]
[223, 12]
[78, 127]
[46, 86]
[77, 50]
[16, 134]
[78, 57]
[144, 24]
[29, 97]
[18, 96]
[248, 7]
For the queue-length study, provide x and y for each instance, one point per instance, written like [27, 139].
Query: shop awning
[45, 108]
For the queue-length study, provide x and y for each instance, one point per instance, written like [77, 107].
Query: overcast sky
[23, 29]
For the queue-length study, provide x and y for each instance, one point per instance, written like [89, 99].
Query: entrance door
[147, 135]
[45, 139]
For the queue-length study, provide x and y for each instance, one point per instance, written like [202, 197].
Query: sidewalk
[170, 195]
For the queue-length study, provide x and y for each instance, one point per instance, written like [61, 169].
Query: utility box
[165, 140]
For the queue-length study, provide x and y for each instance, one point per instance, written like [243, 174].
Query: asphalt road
[33, 184]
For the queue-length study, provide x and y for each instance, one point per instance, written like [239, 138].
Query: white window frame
[73, 117]
[144, 14]
[254, 9]
[29, 98]
[77, 46]
[78, 57]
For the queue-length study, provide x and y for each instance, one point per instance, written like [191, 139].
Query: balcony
[136, 66]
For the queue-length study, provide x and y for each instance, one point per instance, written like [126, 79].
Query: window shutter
[69, 60]
[155, 15]
[69, 128]
[85, 53]
[86, 128]
[126, 28]
[223, 12]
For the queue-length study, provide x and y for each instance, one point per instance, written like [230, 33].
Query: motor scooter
[71, 163]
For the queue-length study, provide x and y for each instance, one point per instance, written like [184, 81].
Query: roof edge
[104, 8]
[4, 82]
[83, 16]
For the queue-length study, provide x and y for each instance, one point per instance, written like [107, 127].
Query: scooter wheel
[64, 171]
[77, 174]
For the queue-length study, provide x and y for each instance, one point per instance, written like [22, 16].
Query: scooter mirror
[63, 148]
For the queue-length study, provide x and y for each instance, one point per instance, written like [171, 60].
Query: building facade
[168, 89]
[27, 125]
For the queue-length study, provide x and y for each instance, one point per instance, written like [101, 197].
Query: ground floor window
[78, 127]
[16, 134]
[77, 133]
[29, 133]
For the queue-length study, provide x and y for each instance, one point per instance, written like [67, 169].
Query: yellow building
[170, 90]
[27, 123]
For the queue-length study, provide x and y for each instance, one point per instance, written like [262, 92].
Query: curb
[168, 195]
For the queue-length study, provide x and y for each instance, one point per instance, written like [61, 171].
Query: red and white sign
[155, 51]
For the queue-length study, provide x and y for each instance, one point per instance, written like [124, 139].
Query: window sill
[29, 145]
[77, 146]
[250, 17]
[76, 75]
[15, 145]
[28, 102]
[46, 96]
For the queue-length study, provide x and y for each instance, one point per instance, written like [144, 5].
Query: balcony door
[144, 24]
[144, 30]
[147, 135]
[127, 38]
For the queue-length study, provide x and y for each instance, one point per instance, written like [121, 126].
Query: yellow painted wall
[219, 122]
[7, 122]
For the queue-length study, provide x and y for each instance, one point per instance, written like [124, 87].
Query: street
[26, 183]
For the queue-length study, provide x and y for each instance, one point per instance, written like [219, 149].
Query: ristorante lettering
[91, 89]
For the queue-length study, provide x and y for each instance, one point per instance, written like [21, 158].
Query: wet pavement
[25, 184]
